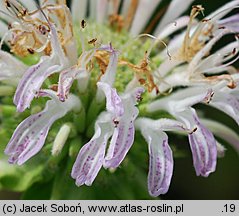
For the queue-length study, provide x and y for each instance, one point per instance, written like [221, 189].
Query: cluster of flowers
[187, 62]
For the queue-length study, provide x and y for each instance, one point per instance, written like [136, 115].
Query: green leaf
[15, 178]
[38, 191]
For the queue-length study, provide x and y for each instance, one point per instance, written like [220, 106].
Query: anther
[222, 27]
[234, 51]
[208, 98]
[30, 50]
[116, 122]
[9, 26]
[43, 29]
[93, 41]
[193, 130]
[206, 20]
[7, 3]
[232, 85]
[83, 23]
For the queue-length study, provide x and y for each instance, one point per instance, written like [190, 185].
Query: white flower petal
[142, 15]
[113, 101]
[204, 51]
[91, 156]
[176, 8]
[93, 10]
[230, 22]
[181, 99]
[10, 67]
[173, 27]
[101, 10]
[227, 103]
[215, 62]
[109, 75]
[30, 5]
[3, 29]
[78, 9]
[222, 131]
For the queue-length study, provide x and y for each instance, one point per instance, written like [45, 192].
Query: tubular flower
[108, 86]
[30, 135]
[118, 122]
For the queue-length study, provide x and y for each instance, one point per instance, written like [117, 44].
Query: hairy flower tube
[112, 77]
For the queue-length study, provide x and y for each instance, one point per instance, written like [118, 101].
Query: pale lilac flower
[202, 142]
[124, 114]
[188, 50]
[230, 22]
[34, 77]
[81, 74]
[187, 62]
[117, 123]
[53, 42]
[160, 153]
[91, 156]
[30, 135]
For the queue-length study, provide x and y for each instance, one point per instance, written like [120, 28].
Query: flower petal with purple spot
[123, 136]
[66, 80]
[160, 162]
[113, 101]
[32, 81]
[91, 156]
[202, 143]
[30, 135]
[34, 77]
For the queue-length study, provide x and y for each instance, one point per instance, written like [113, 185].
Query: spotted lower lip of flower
[34, 77]
[91, 156]
[117, 122]
[124, 114]
[203, 145]
[113, 101]
[161, 163]
[30, 135]
[202, 142]
[160, 154]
